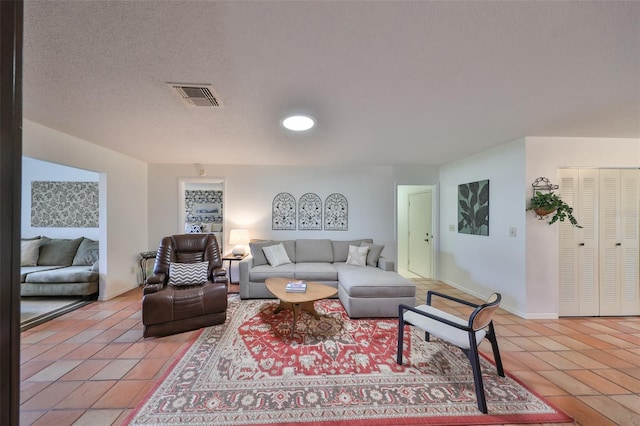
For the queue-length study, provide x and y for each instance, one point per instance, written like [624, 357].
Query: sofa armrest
[386, 264]
[243, 271]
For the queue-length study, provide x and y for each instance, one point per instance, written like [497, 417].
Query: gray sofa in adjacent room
[59, 267]
[367, 291]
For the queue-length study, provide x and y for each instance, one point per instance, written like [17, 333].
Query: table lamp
[239, 238]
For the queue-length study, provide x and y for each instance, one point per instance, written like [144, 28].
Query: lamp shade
[239, 238]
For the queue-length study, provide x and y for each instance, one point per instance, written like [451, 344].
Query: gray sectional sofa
[59, 267]
[370, 291]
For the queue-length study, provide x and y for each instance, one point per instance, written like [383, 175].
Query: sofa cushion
[29, 252]
[26, 270]
[262, 272]
[357, 255]
[375, 250]
[316, 250]
[374, 282]
[87, 253]
[341, 248]
[316, 271]
[259, 258]
[58, 251]
[70, 274]
[181, 274]
[276, 255]
[59, 289]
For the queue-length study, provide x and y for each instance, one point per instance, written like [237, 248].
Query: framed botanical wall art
[473, 208]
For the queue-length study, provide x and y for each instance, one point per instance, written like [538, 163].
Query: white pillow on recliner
[181, 274]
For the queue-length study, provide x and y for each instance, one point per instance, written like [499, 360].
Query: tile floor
[92, 366]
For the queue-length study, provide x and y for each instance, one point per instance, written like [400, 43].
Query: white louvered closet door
[579, 288]
[629, 235]
[610, 242]
[599, 263]
[619, 242]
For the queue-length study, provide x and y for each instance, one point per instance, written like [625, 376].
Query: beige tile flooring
[92, 366]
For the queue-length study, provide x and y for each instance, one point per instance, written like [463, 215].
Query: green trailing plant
[543, 204]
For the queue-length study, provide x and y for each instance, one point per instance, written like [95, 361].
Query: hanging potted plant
[544, 204]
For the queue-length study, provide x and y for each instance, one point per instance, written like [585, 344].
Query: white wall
[249, 192]
[544, 156]
[123, 200]
[416, 175]
[35, 170]
[483, 264]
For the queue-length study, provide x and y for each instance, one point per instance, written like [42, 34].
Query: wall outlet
[452, 228]
[512, 232]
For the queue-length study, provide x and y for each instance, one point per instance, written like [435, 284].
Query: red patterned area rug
[333, 371]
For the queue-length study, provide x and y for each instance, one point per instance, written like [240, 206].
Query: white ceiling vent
[197, 95]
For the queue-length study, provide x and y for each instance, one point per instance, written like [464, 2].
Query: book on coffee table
[296, 287]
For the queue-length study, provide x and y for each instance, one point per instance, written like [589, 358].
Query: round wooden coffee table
[297, 302]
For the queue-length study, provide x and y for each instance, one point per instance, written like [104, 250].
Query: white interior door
[420, 234]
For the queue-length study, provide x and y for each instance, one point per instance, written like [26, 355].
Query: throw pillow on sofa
[256, 246]
[29, 251]
[341, 248]
[375, 250]
[58, 251]
[87, 253]
[181, 274]
[276, 255]
[357, 255]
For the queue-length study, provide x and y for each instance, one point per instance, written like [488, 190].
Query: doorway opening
[415, 231]
[61, 206]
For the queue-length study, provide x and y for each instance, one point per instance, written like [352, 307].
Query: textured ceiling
[390, 83]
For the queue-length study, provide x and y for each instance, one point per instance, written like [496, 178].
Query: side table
[145, 256]
[231, 258]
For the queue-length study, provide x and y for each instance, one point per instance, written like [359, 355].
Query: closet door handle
[618, 244]
[581, 244]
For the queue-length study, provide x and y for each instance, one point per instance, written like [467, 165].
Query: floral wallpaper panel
[64, 204]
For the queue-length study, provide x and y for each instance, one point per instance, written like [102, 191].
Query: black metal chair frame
[472, 353]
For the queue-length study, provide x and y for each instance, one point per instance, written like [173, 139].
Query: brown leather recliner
[169, 309]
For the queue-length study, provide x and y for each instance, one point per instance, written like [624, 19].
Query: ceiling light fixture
[298, 123]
